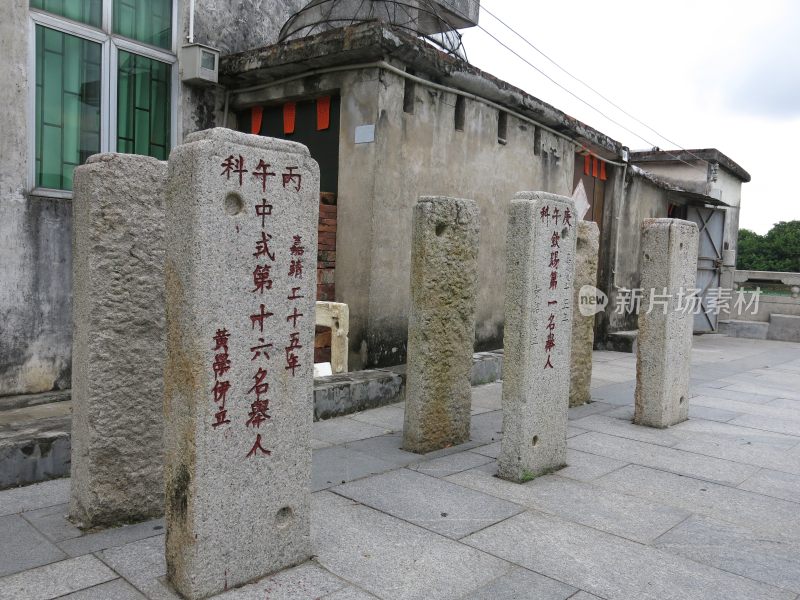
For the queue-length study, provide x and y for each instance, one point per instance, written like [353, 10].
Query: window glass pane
[84, 11]
[143, 106]
[67, 105]
[148, 21]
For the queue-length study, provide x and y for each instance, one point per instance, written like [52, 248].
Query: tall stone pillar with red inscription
[538, 332]
[241, 233]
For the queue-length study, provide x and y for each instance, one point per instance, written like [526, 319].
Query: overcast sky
[704, 73]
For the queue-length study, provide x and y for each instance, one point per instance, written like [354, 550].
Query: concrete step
[34, 443]
[752, 330]
[35, 430]
[784, 328]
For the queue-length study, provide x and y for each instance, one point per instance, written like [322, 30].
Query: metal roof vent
[436, 22]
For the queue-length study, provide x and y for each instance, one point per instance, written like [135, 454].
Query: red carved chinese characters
[262, 172]
[234, 164]
[290, 176]
[551, 216]
[220, 366]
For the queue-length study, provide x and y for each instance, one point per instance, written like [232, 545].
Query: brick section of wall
[326, 265]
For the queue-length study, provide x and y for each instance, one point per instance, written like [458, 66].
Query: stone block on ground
[784, 328]
[751, 330]
[538, 334]
[240, 277]
[441, 327]
[118, 339]
[586, 256]
[668, 266]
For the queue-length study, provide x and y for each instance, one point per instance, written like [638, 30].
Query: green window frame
[105, 81]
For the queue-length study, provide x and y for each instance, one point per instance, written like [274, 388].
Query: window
[460, 113]
[105, 82]
[502, 128]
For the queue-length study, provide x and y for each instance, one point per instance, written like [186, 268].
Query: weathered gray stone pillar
[441, 324]
[241, 280]
[118, 340]
[538, 334]
[668, 264]
[586, 251]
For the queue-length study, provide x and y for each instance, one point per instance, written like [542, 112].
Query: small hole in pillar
[283, 517]
[535, 440]
[646, 256]
[682, 400]
[681, 246]
[440, 227]
[564, 233]
[233, 204]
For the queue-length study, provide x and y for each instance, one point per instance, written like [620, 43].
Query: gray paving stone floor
[708, 509]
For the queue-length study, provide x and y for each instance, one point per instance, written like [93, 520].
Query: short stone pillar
[241, 281]
[668, 265]
[542, 230]
[336, 316]
[441, 323]
[586, 252]
[118, 340]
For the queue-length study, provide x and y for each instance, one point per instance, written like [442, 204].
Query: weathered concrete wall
[445, 161]
[416, 155]
[642, 200]
[35, 255]
[35, 280]
[245, 25]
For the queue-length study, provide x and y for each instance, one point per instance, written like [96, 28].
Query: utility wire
[611, 102]
[570, 92]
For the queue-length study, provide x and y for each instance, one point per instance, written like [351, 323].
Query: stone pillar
[441, 324]
[538, 334]
[240, 279]
[118, 340]
[586, 252]
[336, 316]
[668, 266]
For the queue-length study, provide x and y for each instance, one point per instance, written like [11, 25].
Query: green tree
[778, 250]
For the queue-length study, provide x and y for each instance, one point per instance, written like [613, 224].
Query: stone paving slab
[404, 562]
[450, 464]
[56, 579]
[775, 484]
[349, 593]
[737, 550]
[53, 523]
[754, 511]
[582, 503]
[142, 564]
[659, 457]
[31, 497]
[385, 447]
[345, 429]
[522, 583]
[30, 548]
[109, 538]
[337, 465]
[308, 581]
[610, 566]
[437, 505]
[583, 466]
[117, 589]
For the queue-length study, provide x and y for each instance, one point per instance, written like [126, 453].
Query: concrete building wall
[35, 280]
[415, 154]
[422, 153]
[642, 199]
[35, 255]
[228, 27]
